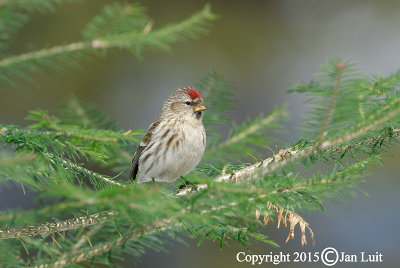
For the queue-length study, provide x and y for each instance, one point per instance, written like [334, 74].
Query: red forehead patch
[193, 94]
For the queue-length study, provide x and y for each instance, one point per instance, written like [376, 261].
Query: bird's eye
[188, 103]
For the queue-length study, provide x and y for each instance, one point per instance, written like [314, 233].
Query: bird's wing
[140, 149]
[135, 162]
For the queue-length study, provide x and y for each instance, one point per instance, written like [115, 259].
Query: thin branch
[75, 104]
[41, 244]
[69, 164]
[290, 216]
[61, 206]
[48, 52]
[77, 135]
[361, 131]
[92, 231]
[375, 90]
[266, 164]
[393, 133]
[23, 4]
[125, 12]
[290, 154]
[60, 226]
[82, 255]
[306, 185]
[251, 130]
[70, 133]
[122, 40]
[293, 218]
[340, 67]
[78, 256]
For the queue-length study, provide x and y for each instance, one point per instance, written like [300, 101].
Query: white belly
[178, 160]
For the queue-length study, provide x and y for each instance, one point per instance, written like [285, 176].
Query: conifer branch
[39, 243]
[49, 52]
[293, 218]
[83, 255]
[382, 86]
[84, 134]
[251, 130]
[393, 133]
[340, 67]
[376, 91]
[364, 129]
[292, 153]
[73, 166]
[17, 158]
[34, 5]
[60, 226]
[9, 133]
[283, 215]
[78, 135]
[160, 38]
[91, 232]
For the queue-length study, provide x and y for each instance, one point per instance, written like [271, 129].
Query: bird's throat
[198, 115]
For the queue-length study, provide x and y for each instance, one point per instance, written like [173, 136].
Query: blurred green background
[263, 46]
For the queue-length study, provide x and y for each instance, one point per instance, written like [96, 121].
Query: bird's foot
[187, 185]
[154, 184]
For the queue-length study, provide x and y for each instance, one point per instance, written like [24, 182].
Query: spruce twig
[82, 255]
[59, 226]
[131, 39]
[251, 130]
[290, 154]
[340, 67]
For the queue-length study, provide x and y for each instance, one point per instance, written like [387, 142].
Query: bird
[175, 142]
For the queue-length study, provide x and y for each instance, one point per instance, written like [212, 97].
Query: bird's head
[185, 102]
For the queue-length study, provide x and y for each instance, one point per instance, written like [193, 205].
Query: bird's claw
[187, 184]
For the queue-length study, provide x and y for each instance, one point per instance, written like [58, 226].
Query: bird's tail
[133, 172]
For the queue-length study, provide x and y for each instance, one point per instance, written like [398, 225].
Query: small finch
[174, 143]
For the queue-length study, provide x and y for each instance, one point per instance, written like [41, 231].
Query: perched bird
[175, 141]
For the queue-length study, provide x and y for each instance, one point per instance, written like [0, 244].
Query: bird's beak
[200, 108]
